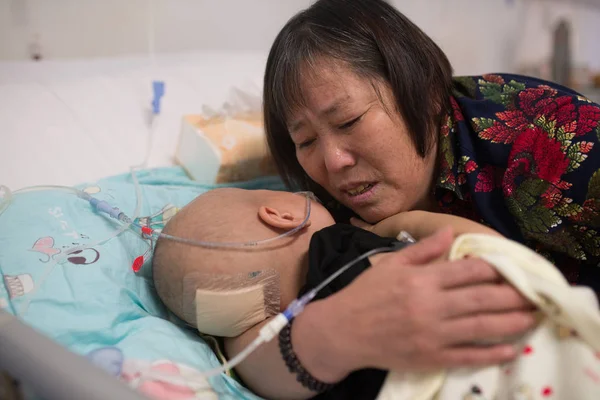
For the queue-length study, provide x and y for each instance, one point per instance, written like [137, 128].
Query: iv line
[273, 327]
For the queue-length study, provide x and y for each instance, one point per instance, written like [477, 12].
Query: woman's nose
[337, 157]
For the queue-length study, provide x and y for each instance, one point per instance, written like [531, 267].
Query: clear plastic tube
[122, 228]
[270, 330]
[199, 385]
[193, 242]
[235, 361]
[348, 266]
[267, 333]
[66, 253]
[78, 193]
[69, 189]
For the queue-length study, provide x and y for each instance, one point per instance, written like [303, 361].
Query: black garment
[331, 249]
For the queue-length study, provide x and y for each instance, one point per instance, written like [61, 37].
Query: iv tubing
[71, 250]
[81, 194]
[126, 224]
[192, 242]
[271, 329]
[312, 293]
[116, 213]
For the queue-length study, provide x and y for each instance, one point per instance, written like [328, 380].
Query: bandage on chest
[229, 305]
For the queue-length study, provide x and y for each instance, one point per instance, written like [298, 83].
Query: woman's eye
[349, 124]
[305, 144]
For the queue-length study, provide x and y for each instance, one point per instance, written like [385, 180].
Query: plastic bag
[228, 143]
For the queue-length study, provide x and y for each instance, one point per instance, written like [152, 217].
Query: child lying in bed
[231, 293]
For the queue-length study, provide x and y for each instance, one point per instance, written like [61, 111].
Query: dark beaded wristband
[293, 364]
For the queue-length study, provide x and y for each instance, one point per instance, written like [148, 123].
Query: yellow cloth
[560, 358]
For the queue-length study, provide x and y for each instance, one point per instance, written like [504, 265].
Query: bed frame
[50, 370]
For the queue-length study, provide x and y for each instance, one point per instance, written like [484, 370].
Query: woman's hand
[409, 314]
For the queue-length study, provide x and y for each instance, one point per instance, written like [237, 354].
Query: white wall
[499, 35]
[478, 35]
[98, 28]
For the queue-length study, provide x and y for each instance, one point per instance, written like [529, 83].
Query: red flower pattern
[457, 113]
[560, 109]
[535, 154]
[488, 179]
[588, 119]
[538, 146]
[514, 119]
[552, 197]
[499, 133]
[470, 166]
[494, 78]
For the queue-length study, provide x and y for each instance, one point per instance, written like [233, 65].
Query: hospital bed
[88, 327]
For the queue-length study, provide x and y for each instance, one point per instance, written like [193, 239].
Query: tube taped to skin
[229, 305]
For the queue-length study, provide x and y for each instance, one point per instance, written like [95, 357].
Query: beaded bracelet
[293, 364]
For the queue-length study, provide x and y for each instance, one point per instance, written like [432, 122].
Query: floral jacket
[523, 156]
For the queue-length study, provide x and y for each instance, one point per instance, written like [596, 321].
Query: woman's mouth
[360, 189]
[360, 196]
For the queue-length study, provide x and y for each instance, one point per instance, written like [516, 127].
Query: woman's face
[357, 147]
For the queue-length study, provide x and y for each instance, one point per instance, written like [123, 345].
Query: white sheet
[69, 122]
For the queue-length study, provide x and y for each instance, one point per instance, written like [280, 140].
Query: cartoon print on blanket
[18, 285]
[166, 380]
[160, 380]
[48, 250]
[45, 246]
[109, 359]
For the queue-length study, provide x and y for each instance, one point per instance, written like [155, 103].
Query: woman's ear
[280, 219]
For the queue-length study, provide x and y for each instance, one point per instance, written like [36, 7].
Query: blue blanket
[92, 302]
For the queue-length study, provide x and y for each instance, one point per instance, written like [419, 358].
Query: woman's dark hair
[376, 42]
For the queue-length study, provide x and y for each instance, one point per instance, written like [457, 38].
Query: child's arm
[264, 371]
[421, 224]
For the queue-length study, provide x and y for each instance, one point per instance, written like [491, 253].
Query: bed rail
[52, 371]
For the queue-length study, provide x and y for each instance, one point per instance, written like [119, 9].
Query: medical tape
[228, 305]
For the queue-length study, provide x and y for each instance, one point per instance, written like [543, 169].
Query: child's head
[236, 215]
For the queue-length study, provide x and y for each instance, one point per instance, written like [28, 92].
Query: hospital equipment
[225, 305]
[149, 233]
[26, 353]
[126, 223]
[269, 331]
